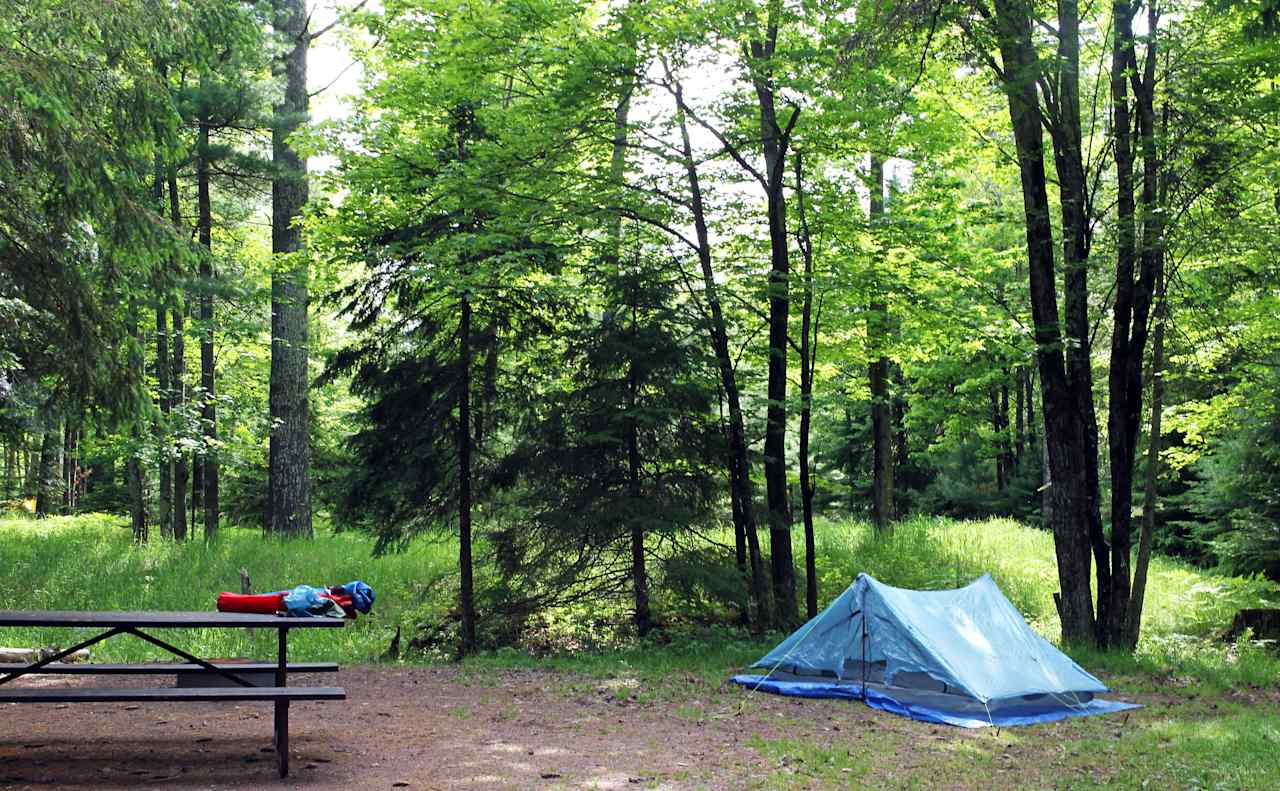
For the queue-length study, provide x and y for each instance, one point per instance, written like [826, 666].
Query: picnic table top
[164, 619]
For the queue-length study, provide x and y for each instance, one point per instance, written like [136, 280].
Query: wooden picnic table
[239, 681]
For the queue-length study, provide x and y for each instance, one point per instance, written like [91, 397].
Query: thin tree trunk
[740, 465]
[774, 143]
[1151, 490]
[1154, 201]
[178, 381]
[993, 394]
[289, 476]
[618, 176]
[808, 356]
[209, 412]
[47, 466]
[163, 394]
[639, 574]
[1019, 428]
[466, 591]
[878, 376]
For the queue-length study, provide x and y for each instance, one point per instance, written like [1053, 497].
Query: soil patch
[444, 728]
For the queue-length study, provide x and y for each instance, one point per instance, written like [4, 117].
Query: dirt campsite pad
[438, 728]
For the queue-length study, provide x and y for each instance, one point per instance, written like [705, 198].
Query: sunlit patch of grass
[90, 562]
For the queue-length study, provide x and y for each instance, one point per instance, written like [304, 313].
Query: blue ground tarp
[960, 657]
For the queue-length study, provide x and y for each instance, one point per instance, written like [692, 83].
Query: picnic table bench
[199, 679]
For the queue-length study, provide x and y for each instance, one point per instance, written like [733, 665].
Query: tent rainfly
[959, 657]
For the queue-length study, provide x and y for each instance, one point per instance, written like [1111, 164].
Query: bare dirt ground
[440, 728]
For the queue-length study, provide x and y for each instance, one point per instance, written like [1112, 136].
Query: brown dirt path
[440, 728]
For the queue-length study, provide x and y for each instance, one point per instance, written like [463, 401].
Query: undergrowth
[90, 563]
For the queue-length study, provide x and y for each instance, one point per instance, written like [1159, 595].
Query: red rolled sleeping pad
[261, 603]
[272, 603]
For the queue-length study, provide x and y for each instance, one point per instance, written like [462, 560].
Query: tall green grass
[90, 563]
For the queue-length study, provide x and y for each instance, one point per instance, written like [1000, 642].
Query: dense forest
[626, 296]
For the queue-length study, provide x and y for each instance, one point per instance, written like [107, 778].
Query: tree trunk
[162, 377]
[1151, 490]
[774, 143]
[1072, 507]
[177, 381]
[639, 574]
[993, 393]
[618, 176]
[209, 412]
[882, 513]
[740, 464]
[1019, 427]
[289, 476]
[47, 466]
[70, 467]
[1150, 287]
[466, 592]
[808, 357]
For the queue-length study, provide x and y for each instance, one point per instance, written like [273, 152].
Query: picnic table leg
[282, 706]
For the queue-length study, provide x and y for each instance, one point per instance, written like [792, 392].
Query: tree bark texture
[289, 476]
[1071, 507]
[209, 410]
[774, 143]
[882, 511]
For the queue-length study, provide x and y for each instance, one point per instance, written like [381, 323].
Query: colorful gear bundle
[304, 601]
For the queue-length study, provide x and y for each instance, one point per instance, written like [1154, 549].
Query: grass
[90, 562]
[1211, 720]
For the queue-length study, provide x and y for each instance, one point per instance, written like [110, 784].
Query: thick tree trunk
[808, 356]
[177, 382]
[209, 411]
[1072, 508]
[289, 476]
[882, 513]
[739, 461]
[466, 592]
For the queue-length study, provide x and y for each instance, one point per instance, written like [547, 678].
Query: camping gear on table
[958, 657]
[335, 601]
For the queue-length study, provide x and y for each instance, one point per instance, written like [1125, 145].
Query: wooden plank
[178, 620]
[163, 668]
[207, 694]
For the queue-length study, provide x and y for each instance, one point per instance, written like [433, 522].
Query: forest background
[627, 300]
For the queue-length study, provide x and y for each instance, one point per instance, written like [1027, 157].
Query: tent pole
[864, 657]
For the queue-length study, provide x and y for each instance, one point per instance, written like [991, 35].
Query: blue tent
[959, 657]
